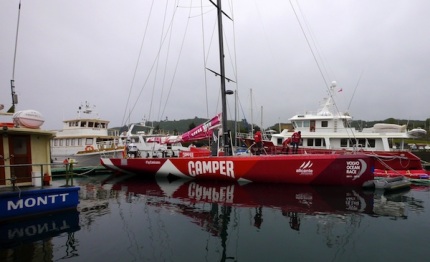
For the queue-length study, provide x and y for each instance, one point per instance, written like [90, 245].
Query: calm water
[141, 220]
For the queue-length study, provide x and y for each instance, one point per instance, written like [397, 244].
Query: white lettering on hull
[224, 168]
[36, 201]
[354, 169]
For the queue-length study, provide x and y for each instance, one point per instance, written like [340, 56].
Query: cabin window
[343, 142]
[19, 145]
[89, 141]
[68, 142]
[317, 142]
[279, 141]
[73, 142]
[55, 142]
[306, 123]
[90, 124]
[361, 142]
[324, 123]
[294, 124]
[371, 142]
[298, 123]
[83, 124]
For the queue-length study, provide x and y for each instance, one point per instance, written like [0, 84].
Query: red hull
[311, 169]
[390, 160]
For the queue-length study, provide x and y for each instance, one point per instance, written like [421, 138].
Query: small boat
[25, 174]
[85, 139]
[417, 132]
[393, 183]
[142, 140]
[28, 118]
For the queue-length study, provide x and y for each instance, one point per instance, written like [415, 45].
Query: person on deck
[286, 145]
[132, 150]
[296, 138]
[258, 142]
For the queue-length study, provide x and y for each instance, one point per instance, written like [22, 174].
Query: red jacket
[296, 137]
[286, 142]
[257, 137]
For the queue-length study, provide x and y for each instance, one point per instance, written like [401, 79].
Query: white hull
[86, 160]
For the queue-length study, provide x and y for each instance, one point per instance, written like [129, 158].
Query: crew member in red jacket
[258, 142]
[286, 145]
[296, 138]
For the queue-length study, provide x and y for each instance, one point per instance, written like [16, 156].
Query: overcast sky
[147, 59]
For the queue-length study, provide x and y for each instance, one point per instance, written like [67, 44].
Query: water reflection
[151, 218]
[292, 201]
[27, 239]
[335, 212]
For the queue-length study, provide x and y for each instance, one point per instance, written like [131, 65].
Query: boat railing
[154, 153]
[38, 177]
[108, 145]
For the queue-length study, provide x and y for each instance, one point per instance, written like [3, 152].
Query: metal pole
[226, 145]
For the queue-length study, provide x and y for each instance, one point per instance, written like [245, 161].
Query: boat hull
[88, 160]
[322, 169]
[33, 202]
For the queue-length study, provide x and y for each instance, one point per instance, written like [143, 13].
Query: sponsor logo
[354, 169]
[224, 194]
[36, 201]
[187, 154]
[223, 168]
[152, 162]
[305, 169]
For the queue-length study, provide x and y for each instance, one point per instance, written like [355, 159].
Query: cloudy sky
[146, 59]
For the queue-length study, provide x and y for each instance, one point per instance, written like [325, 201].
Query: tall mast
[12, 81]
[226, 145]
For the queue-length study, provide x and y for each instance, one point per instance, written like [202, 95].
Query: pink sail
[202, 131]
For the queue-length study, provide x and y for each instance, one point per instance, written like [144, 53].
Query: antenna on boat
[355, 89]
[12, 81]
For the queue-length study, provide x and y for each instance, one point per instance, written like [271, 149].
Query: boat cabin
[24, 155]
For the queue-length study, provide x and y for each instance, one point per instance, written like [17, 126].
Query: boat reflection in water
[189, 220]
[293, 201]
[41, 228]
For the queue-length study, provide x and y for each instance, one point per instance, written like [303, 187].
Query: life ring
[89, 148]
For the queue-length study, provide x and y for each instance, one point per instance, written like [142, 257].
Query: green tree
[191, 126]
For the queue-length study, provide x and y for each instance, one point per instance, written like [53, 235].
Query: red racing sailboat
[316, 169]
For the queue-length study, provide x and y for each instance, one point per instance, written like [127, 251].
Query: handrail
[14, 179]
[69, 173]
